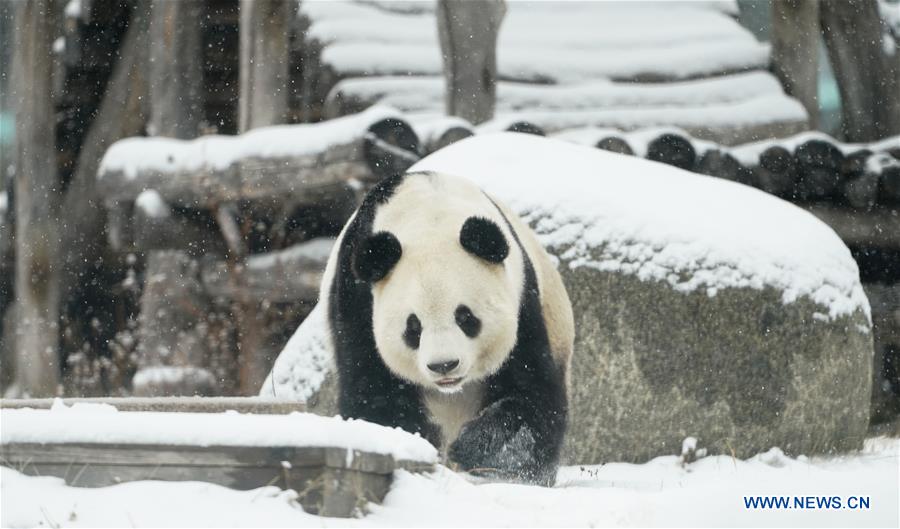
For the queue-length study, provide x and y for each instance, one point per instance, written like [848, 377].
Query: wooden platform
[330, 480]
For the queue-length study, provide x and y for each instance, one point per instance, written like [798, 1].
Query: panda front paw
[498, 443]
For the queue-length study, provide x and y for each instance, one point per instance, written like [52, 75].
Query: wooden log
[615, 144]
[673, 149]
[777, 172]
[190, 231]
[860, 188]
[795, 51]
[887, 169]
[170, 404]
[176, 49]
[859, 229]
[819, 170]
[862, 192]
[290, 275]
[715, 162]
[172, 346]
[264, 30]
[37, 197]
[375, 149]
[525, 127]
[468, 36]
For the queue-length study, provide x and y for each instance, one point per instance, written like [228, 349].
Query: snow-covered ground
[662, 492]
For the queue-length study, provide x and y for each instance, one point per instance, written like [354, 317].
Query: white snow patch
[4, 203]
[316, 250]
[152, 204]
[217, 152]
[59, 45]
[90, 423]
[661, 493]
[306, 359]
[610, 212]
[167, 375]
[73, 9]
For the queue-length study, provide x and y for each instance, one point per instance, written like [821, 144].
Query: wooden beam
[877, 228]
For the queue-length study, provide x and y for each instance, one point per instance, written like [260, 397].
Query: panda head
[445, 290]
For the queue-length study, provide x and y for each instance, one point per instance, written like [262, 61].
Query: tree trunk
[176, 72]
[122, 113]
[795, 51]
[36, 203]
[468, 33]
[265, 27]
[868, 76]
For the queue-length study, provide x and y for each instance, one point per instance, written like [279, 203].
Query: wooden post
[264, 31]
[795, 51]
[36, 203]
[868, 75]
[176, 71]
[172, 346]
[468, 34]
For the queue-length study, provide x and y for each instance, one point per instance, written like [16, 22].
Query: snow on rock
[4, 203]
[91, 423]
[301, 367]
[661, 493]
[597, 199]
[132, 156]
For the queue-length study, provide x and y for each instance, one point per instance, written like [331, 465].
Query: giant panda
[448, 319]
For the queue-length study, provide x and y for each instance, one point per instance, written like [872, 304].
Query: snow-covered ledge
[703, 307]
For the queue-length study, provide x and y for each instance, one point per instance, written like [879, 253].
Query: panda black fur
[448, 319]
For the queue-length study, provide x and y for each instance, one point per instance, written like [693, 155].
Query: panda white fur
[449, 319]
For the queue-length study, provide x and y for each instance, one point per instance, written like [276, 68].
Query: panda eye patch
[413, 332]
[467, 321]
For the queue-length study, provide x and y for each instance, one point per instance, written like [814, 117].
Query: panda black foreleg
[517, 437]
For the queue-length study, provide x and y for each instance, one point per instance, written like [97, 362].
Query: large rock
[703, 308]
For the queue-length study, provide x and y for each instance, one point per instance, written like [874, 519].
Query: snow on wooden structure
[178, 201]
[337, 467]
[625, 65]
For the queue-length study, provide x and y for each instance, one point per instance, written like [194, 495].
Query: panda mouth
[448, 382]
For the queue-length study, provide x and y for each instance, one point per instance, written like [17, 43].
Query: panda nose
[443, 368]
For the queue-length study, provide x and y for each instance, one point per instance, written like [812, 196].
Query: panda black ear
[375, 256]
[483, 238]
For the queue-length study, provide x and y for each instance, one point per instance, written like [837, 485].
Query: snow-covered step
[335, 466]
